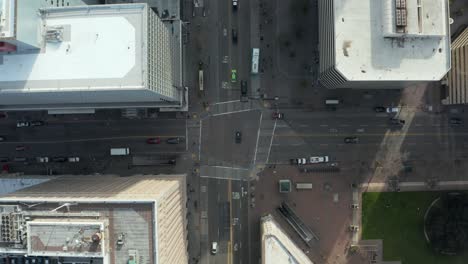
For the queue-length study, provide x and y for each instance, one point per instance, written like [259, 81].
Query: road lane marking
[200, 142]
[258, 136]
[234, 112]
[324, 125]
[226, 102]
[230, 256]
[85, 139]
[390, 134]
[271, 141]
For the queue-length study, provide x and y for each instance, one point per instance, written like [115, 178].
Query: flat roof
[102, 48]
[66, 238]
[370, 46]
[7, 18]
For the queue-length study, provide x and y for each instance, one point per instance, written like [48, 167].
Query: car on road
[379, 109]
[214, 248]
[351, 140]
[2, 138]
[244, 88]
[234, 35]
[73, 159]
[233, 75]
[153, 140]
[20, 148]
[4, 159]
[323, 159]
[20, 159]
[3, 115]
[235, 4]
[22, 124]
[393, 109]
[238, 137]
[37, 123]
[42, 159]
[59, 159]
[174, 140]
[396, 121]
[277, 115]
[455, 121]
[298, 161]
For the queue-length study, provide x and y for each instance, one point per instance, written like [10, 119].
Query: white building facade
[384, 43]
[88, 57]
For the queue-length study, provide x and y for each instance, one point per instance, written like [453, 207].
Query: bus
[255, 57]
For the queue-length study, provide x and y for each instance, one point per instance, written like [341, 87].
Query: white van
[119, 151]
[332, 102]
[304, 186]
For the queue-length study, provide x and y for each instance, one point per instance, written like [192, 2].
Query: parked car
[351, 140]
[233, 75]
[73, 159]
[2, 138]
[244, 88]
[278, 115]
[238, 137]
[153, 140]
[175, 140]
[4, 159]
[455, 121]
[319, 159]
[22, 124]
[42, 159]
[20, 148]
[379, 109]
[234, 35]
[59, 159]
[37, 123]
[3, 115]
[298, 161]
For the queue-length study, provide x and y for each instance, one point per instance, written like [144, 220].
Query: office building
[383, 44]
[78, 58]
[89, 219]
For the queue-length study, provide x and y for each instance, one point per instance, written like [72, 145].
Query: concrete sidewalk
[416, 186]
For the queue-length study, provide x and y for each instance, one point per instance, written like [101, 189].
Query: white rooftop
[102, 48]
[7, 19]
[392, 39]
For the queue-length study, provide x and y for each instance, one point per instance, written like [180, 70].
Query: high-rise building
[88, 219]
[457, 78]
[85, 57]
[383, 44]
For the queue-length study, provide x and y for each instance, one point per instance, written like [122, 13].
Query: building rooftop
[392, 39]
[277, 247]
[82, 50]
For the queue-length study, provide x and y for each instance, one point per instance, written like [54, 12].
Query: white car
[22, 124]
[214, 248]
[42, 159]
[73, 159]
[319, 159]
[393, 109]
[299, 161]
[235, 3]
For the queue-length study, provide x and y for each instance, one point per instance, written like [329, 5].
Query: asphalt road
[87, 138]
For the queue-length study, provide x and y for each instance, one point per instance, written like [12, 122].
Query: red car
[278, 115]
[153, 141]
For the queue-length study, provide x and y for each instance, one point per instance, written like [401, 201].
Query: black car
[379, 109]
[351, 140]
[238, 137]
[455, 121]
[174, 140]
[4, 159]
[37, 123]
[234, 36]
[396, 121]
[244, 88]
[59, 159]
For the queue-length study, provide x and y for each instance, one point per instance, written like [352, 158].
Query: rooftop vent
[54, 34]
[400, 16]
